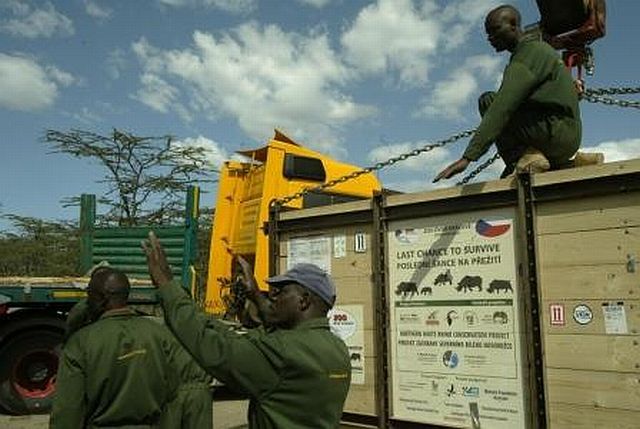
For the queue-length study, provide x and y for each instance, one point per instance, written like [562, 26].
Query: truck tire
[28, 367]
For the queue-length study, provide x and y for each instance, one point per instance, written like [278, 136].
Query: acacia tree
[146, 177]
[38, 247]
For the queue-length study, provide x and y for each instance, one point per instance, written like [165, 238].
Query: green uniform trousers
[553, 135]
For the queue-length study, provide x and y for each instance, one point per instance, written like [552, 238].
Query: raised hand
[159, 269]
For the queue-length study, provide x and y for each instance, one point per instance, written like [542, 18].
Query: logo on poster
[500, 317]
[470, 318]
[450, 359]
[406, 236]
[432, 319]
[451, 316]
[451, 390]
[492, 228]
[342, 323]
[471, 391]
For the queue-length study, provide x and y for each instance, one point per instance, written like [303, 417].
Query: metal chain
[623, 90]
[479, 169]
[610, 101]
[598, 95]
[376, 167]
[593, 95]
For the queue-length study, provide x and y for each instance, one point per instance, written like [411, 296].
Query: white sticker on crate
[615, 318]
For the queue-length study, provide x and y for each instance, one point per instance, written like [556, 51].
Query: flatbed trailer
[25, 292]
[33, 309]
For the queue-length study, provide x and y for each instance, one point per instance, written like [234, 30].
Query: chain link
[623, 90]
[610, 101]
[376, 167]
[598, 95]
[479, 169]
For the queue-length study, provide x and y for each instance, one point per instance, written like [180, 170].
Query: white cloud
[216, 155]
[410, 37]
[96, 10]
[156, 92]
[617, 150]
[263, 78]
[315, 3]
[231, 6]
[462, 17]
[86, 116]
[60, 76]
[31, 22]
[383, 153]
[394, 35]
[450, 95]
[116, 63]
[25, 85]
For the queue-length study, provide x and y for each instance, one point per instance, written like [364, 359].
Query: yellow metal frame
[245, 191]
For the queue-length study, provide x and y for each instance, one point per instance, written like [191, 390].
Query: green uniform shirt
[192, 407]
[118, 371]
[535, 79]
[296, 378]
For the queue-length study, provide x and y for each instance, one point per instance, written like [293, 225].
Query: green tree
[39, 248]
[146, 177]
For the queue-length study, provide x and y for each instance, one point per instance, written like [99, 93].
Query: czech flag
[492, 228]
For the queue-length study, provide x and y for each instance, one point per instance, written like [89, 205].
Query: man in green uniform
[192, 407]
[296, 372]
[534, 117]
[118, 371]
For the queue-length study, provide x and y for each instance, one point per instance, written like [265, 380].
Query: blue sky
[360, 80]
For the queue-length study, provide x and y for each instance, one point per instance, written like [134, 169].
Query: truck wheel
[28, 367]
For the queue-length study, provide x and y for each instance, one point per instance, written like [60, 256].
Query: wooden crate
[586, 249]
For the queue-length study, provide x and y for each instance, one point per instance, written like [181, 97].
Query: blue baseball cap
[311, 277]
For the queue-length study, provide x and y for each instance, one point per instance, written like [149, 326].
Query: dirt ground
[226, 415]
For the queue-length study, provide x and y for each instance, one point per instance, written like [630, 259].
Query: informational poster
[339, 246]
[454, 326]
[346, 321]
[314, 250]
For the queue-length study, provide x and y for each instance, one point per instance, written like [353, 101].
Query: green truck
[33, 309]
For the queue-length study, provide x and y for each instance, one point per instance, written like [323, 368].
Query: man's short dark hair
[111, 282]
[507, 7]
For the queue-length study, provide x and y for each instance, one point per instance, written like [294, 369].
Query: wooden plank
[564, 416]
[353, 206]
[610, 246]
[453, 192]
[594, 389]
[588, 172]
[361, 398]
[597, 325]
[616, 353]
[354, 289]
[610, 211]
[604, 282]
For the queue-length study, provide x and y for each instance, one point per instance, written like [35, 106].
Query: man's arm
[241, 361]
[517, 84]
[246, 362]
[69, 405]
